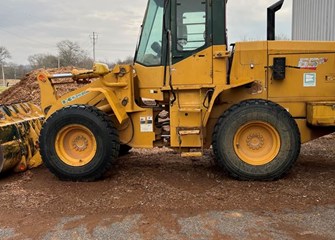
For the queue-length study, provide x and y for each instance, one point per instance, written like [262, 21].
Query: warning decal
[146, 124]
[309, 79]
[311, 63]
[74, 97]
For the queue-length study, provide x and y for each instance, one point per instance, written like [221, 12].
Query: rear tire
[79, 143]
[256, 140]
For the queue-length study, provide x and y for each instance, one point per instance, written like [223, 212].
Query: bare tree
[70, 53]
[4, 54]
[43, 61]
[15, 71]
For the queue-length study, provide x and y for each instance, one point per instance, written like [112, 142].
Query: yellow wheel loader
[254, 103]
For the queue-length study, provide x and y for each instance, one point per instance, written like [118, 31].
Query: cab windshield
[150, 47]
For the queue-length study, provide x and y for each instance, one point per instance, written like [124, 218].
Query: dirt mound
[28, 89]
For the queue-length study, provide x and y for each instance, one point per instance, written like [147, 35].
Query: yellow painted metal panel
[194, 70]
[309, 133]
[220, 65]
[131, 132]
[321, 113]
[303, 47]
[249, 61]
[187, 99]
[314, 84]
[149, 81]
[113, 101]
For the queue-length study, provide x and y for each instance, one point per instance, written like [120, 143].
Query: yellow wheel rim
[257, 143]
[75, 145]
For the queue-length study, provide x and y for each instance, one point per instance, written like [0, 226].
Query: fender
[116, 106]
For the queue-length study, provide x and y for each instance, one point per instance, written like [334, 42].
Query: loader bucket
[20, 125]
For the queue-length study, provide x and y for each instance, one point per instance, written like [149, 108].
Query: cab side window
[191, 25]
[150, 47]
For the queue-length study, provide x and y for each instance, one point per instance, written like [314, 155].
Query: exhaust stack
[271, 19]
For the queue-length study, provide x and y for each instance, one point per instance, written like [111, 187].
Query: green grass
[2, 88]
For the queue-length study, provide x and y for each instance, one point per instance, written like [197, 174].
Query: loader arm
[101, 90]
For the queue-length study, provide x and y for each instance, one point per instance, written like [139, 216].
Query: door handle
[178, 56]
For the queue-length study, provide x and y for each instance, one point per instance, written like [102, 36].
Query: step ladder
[190, 131]
[196, 130]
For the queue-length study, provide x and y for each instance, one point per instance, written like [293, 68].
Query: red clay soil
[158, 183]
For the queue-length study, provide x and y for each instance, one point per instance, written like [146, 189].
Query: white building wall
[313, 20]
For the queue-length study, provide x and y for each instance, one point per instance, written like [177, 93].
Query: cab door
[192, 48]
[150, 60]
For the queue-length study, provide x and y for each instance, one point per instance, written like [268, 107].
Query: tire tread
[228, 112]
[112, 132]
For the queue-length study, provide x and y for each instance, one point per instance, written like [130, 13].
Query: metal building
[313, 20]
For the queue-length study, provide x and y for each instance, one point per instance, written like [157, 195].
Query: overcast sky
[29, 27]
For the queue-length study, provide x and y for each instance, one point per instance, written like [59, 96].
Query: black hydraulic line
[167, 47]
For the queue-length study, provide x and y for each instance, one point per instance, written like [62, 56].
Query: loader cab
[179, 34]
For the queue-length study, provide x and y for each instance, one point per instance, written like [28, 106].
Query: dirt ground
[155, 194]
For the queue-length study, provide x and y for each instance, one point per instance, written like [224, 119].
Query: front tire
[256, 140]
[79, 143]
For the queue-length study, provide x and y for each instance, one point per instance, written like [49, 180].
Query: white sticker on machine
[311, 63]
[146, 124]
[309, 79]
